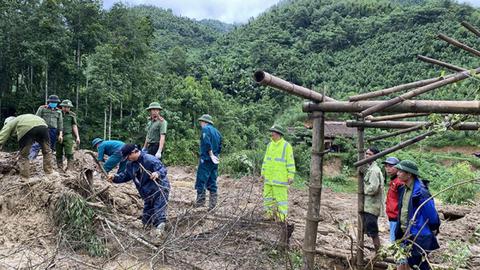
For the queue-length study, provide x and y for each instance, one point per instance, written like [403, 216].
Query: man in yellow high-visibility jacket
[278, 171]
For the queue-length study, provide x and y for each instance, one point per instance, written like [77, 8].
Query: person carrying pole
[70, 129]
[391, 203]
[156, 131]
[29, 128]
[207, 172]
[150, 178]
[373, 190]
[111, 148]
[54, 119]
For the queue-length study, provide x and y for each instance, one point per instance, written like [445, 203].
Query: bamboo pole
[394, 148]
[314, 190]
[409, 124]
[265, 78]
[394, 116]
[394, 89]
[471, 28]
[458, 44]
[429, 87]
[396, 133]
[360, 199]
[415, 106]
[440, 63]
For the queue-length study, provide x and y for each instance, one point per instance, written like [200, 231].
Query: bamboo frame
[471, 28]
[360, 199]
[394, 116]
[409, 124]
[440, 63]
[458, 44]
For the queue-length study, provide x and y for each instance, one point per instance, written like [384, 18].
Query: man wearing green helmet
[156, 131]
[70, 129]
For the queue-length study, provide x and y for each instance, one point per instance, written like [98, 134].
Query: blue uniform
[207, 172]
[112, 150]
[154, 193]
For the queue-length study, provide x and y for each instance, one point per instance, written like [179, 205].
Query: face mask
[52, 105]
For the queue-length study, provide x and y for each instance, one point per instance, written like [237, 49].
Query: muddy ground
[233, 236]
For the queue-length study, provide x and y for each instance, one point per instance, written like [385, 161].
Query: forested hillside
[115, 62]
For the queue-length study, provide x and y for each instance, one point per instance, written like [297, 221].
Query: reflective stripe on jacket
[278, 164]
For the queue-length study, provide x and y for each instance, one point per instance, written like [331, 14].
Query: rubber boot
[212, 200]
[47, 163]
[24, 167]
[200, 202]
[70, 166]
[60, 166]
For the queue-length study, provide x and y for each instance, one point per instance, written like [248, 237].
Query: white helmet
[8, 119]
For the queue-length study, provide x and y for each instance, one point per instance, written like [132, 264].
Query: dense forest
[113, 63]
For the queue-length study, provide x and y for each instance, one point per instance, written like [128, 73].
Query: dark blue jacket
[109, 148]
[145, 186]
[211, 139]
[427, 214]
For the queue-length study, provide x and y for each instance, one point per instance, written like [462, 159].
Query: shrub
[460, 194]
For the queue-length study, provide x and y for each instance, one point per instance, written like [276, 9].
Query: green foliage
[242, 163]
[457, 254]
[460, 194]
[75, 219]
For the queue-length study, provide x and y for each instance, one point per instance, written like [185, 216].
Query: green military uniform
[53, 118]
[66, 146]
[155, 129]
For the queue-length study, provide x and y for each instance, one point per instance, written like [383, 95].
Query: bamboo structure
[440, 63]
[360, 199]
[394, 116]
[314, 190]
[409, 124]
[396, 133]
[458, 44]
[471, 28]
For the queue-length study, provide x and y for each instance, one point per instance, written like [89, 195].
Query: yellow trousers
[275, 201]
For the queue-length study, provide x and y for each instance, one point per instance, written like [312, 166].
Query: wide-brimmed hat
[66, 103]
[96, 141]
[206, 118]
[8, 119]
[408, 166]
[278, 129]
[154, 105]
[127, 149]
[391, 161]
[53, 99]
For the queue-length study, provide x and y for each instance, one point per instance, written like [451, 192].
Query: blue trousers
[207, 173]
[393, 228]
[113, 161]
[52, 134]
[155, 208]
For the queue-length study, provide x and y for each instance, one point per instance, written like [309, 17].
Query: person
[70, 129]
[111, 148]
[150, 178]
[373, 191]
[278, 172]
[207, 172]
[29, 128]
[54, 119]
[423, 229]
[156, 131]
[391, 203]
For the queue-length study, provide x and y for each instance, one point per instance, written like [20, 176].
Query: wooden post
[471, 28]
[394, 116]
[440, 63]
[429, 87]
[360, 199]
[314, 190]
[458, 44]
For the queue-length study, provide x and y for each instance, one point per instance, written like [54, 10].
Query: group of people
[413, 219]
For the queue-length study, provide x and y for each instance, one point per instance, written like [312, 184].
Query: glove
[154, 175]
[159, 154]
[215, 159]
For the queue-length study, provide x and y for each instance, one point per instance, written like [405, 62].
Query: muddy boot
[60, 166]
[70, 166]
[200, 202]
[47, 163]
[290, 229]
[212, 200]
[24, 167]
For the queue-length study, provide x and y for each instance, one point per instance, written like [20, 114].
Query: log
[360, 198]
[265, 78]
[471, 28]
[408, 124]
[440, 63]
[396, 133]
[458, 44]
[413, 106]
[421, 90]
[395, 116]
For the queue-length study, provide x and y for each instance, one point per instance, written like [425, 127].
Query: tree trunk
[121, 111]
[360, 199]
[78, 69]
[46, 82]
[110, 122]
[105, 125]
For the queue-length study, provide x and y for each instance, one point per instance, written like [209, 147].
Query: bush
[460, 194]
[242, 163]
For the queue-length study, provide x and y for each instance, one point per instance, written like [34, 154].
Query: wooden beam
[408, 124]
[440, 63]
[408, 106]
[458, 44]
[396, 133]
[265, 78]
[395, 116]
[471, 28]
[421, 90]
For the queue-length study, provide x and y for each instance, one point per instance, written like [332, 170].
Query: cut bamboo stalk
[314, 190]
[409, 106]
[360, 198]
[421, 90]
[408, 124]
[265, 78]
[458, 44]
[396, 133]
[471, 28]
[440, 63]
[395, 116]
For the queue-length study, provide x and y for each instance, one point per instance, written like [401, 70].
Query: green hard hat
[278, 129]
[206, 118]
[66, 103]
[154, 105]
[408, 166]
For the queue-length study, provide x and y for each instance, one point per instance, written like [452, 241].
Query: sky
[229, 11]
